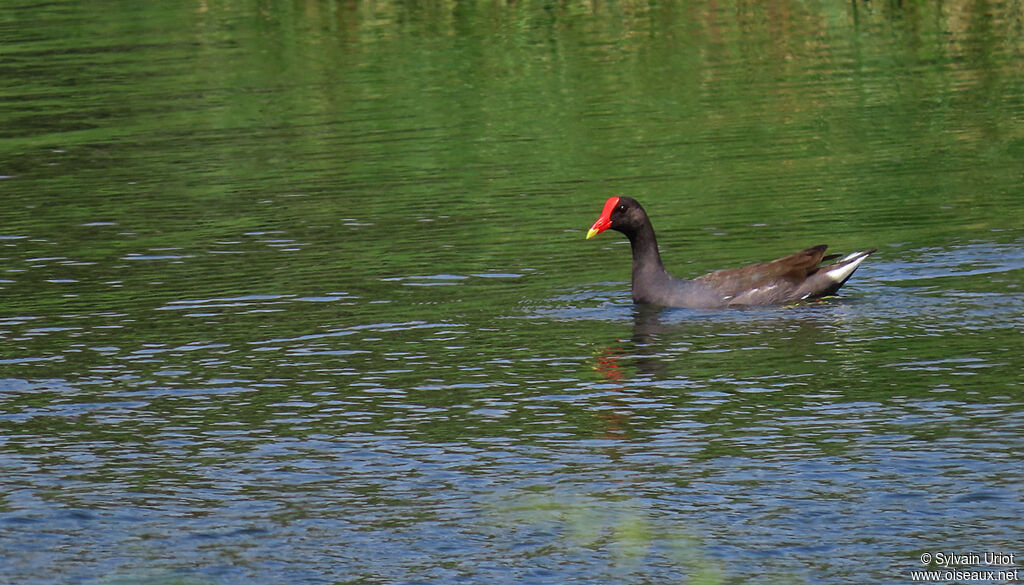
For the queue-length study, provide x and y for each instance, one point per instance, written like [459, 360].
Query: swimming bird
[793, 278]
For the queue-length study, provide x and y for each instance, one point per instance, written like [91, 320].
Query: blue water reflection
[299, 292]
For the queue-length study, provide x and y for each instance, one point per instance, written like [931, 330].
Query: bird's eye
[622, 207]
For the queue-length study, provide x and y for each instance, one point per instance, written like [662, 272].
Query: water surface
[298, 292]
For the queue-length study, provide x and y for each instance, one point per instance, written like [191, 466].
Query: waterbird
[797, 277]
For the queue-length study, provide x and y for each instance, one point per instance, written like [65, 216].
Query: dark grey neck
[648, 271]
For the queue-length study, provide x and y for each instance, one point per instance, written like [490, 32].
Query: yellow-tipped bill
[605, 221]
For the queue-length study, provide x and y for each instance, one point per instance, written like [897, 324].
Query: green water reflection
[307, 280]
